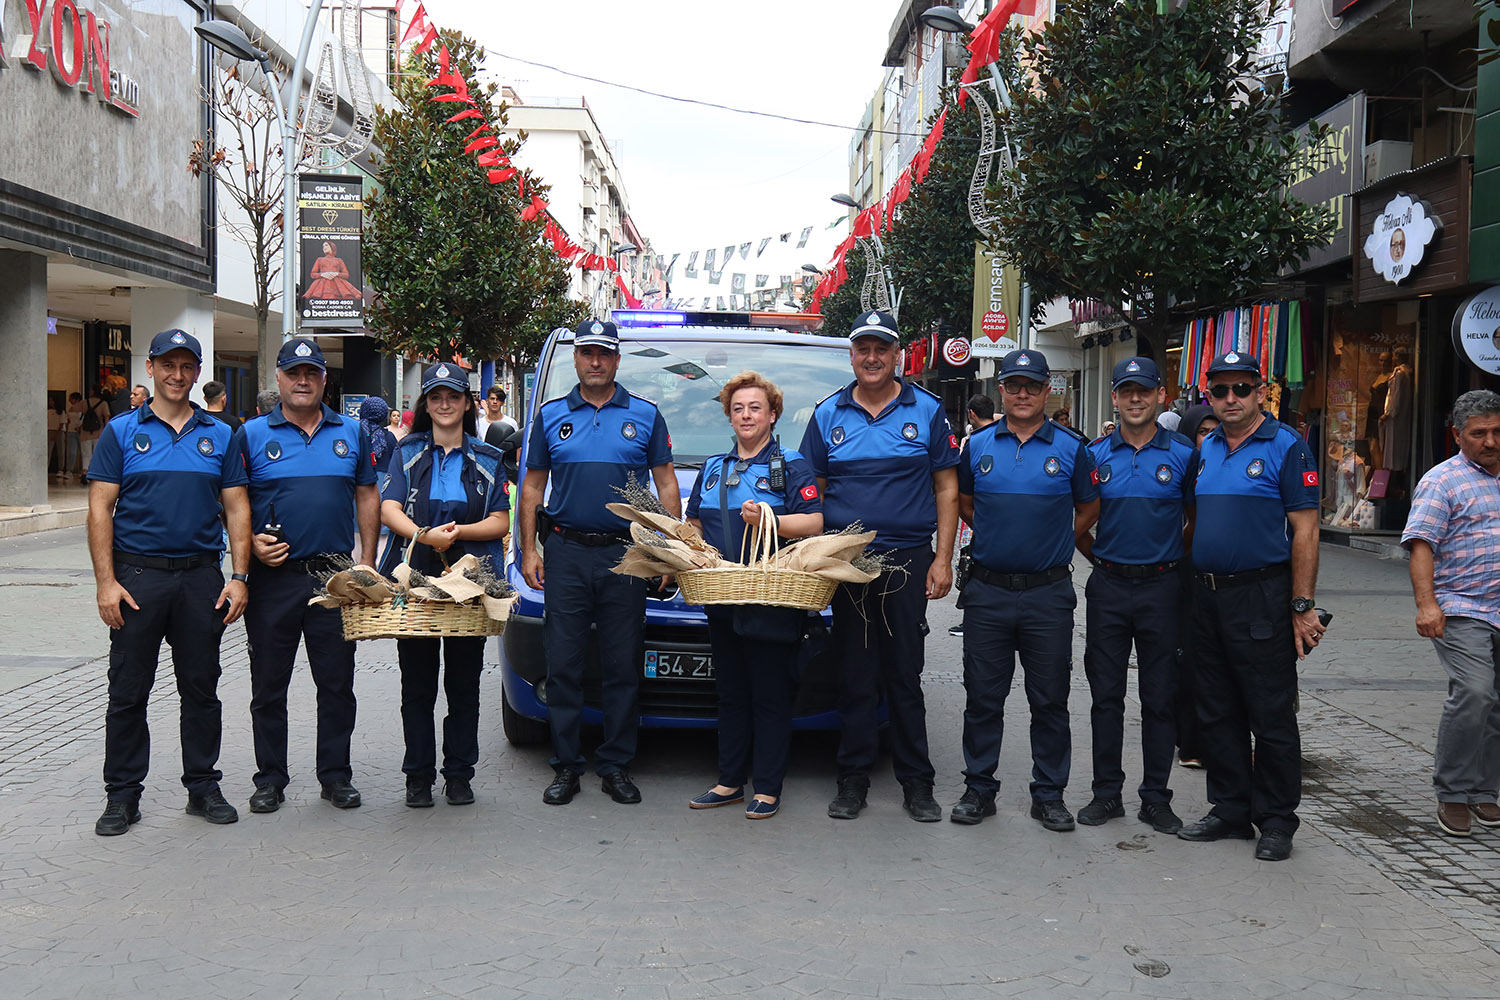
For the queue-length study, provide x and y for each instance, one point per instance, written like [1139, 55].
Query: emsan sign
[67, 39]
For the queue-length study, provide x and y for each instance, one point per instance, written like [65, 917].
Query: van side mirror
[510, 446]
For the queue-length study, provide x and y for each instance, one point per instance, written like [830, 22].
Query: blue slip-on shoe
[712, 800]
[761, 810]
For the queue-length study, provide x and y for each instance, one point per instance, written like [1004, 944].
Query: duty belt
[1135, 571]
[169, 562]
[312, 566]
[1019, 581]
[1218, 581]
[595, 539]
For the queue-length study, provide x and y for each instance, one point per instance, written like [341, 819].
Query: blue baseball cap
[300, 351]
[444, 374]
[172, 340]
[875, 324]
[1032, 364]
[1234, 361]
[1142, 371]
[599, 333]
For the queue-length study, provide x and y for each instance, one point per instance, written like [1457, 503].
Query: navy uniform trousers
[463, 662]
[277, 618]
[1247, 687]
[755, 682]
[582, 592]
[1037, 624]
[178, 606]
[1145, 610]
[877, 631]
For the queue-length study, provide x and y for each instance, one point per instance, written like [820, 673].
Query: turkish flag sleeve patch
[1310, 477]
[1094, 477]
[810, 492]
[953, 441]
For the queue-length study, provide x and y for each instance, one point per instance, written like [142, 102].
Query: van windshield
[683, 378]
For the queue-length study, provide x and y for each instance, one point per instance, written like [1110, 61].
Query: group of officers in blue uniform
[1228, 528]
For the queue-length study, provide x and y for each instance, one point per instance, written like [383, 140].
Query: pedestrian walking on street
[589, 443]
[1029, 487]
[265, 401]
[311, 482]
[95, 416]
[1255, 557]
[214, 398]
[755, 674]
[158, 478]
[445, 494]
[1196, 423]
[1134, 594]
[884, 455]
[1452, 534]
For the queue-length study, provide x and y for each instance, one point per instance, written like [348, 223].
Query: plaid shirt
[1456, 510]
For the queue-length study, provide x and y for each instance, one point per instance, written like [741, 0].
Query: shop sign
[997, 294]
[1476, 330]
[73, 43]
[956, 351]
[1327, 172]
[1399, 237]
[330, 220]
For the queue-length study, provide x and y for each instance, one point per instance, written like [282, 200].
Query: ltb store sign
[67, 39]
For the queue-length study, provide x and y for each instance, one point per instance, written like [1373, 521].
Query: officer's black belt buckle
[593, 539]
[1137, 571]
[1019, 581]
[1218, 581]
[168, 562]
[313, 566]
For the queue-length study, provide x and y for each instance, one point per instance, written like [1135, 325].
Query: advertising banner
[997, 300]
[330, 219]
[1327, 172]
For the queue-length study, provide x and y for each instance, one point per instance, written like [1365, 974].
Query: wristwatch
[242, 577]
[1301, 605]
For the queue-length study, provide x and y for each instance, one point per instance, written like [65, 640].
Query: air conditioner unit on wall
[1386, 157]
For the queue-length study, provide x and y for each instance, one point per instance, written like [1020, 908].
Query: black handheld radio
[778, 468]
[273, 526]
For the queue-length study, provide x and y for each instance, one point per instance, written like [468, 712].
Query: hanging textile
[1294, 368]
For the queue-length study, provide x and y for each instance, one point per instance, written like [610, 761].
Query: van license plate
[662, 665]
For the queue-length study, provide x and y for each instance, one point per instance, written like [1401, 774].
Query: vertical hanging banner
[330, 220]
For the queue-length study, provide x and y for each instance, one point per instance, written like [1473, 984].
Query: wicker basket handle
[766, 543]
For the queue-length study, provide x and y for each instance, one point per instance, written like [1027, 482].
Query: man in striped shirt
[1453, 534]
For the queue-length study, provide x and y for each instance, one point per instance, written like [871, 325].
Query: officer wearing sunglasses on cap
[1255, 562]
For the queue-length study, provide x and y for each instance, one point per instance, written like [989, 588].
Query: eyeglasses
[733, 479]
[1023, 386]
[1241, 389]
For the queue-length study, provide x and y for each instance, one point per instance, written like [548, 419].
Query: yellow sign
[997, 302]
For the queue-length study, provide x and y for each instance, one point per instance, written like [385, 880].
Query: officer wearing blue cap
[1255, 557]
[312, 478]
[1029, 488]
[446, 492]
[1146, 477]
[588, 443]
[158, 478]
[884, 453]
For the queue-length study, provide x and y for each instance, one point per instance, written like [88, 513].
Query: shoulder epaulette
[922, 388]
[643, 399]
[1070, 430]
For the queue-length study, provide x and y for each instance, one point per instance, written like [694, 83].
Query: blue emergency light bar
[649, 317]
[667, 317]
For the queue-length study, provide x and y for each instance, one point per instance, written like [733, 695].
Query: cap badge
[1163, 473]
[1134, 366]
[302, 351]
[1232, 358]
[986, 463]
[564, 432]
[1104, 473]
[206, 445]
[442, 371]
[837, 435]
[178, 338]
[142, 442]
[597, 327]
[1255, 468]
[909, 431]
[628, 429]
[1052, 466]
[340, 447]
[1024, 361]
[873, 318]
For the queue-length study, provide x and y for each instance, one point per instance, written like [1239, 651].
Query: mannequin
[1379, 390]
[1395, 421]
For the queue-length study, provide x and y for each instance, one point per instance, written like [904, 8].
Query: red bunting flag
[470, 113]
[537, 207]
[500, 176]
[984, 45]
[464, 97]
[417, 26]
[483, 142]
[494, 158]
[427, 42]
[486, 127]
[631, 302]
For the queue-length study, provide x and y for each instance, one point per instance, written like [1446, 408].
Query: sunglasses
[740, 466]
[1241, 389]
[1017, 387]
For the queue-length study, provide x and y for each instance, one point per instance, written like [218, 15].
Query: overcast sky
[699, 177]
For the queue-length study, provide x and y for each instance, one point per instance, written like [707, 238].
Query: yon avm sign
[71, 42]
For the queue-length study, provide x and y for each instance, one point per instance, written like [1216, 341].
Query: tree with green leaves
[455, 268]
[1153, 165]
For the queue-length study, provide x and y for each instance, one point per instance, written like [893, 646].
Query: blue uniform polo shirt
[169, 482]
[1141, 497]
[799, 496]
[1024, 495]
[309, 480]
[1244, 496]
[590, 451]
[448, 499]
[879, 469]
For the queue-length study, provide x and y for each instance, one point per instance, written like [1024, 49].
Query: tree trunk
[269, 343]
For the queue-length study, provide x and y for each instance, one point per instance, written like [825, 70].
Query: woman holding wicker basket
[754, 675]
[446, 494]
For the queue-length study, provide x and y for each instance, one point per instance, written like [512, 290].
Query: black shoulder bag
[761, 622]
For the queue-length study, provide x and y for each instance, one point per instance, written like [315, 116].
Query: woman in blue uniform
[446, 490]
[755, 678]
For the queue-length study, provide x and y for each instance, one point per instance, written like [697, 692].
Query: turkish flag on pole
[631, 302]
[984, 45]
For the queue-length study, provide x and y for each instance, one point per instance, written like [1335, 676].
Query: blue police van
[678, 360]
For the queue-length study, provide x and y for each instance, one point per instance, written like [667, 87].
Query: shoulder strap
[414, 459]
[724, 500]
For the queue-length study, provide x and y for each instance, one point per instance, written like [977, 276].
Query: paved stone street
[511, 898]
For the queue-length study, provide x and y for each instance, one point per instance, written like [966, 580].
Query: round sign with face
[1399, 237]
[1476, 330]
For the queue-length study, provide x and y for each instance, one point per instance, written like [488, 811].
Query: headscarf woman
[374, 414]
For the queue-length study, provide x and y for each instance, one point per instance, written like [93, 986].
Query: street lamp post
[621, 249]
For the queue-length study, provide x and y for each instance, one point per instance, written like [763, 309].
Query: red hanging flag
[501, 176]
[494, 158]
[537, 207]
[470, 113]
[486, 127]
[427, 42]
[417, 26]
[984, 45]
[483, 142]
[631, 302]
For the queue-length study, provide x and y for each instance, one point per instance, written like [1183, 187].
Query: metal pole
[288, 108]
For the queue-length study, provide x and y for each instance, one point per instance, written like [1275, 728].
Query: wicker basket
[758, 582]
[399, 618]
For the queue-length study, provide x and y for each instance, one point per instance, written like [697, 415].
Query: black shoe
[212, 807]
[342, 794]
[1211, 827]
[418, 793]
[919, 803]
[956, 630]
[1160, 816]
[1053, 814]
[851, 797]
[1275, 845]
[117, 818]
[459, 792]
[972, 808]
[267, 799]
[1100, 811]
[620, 788]
[564, 786]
